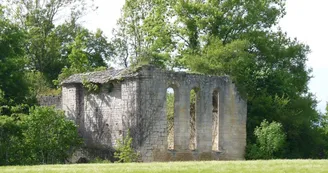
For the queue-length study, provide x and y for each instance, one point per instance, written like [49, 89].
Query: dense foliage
[49, 136]
[270, 139]
[13, 87]
[11, 136]
[44, 136]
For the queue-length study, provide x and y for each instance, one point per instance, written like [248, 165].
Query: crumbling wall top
[105, 76]
[100, 76]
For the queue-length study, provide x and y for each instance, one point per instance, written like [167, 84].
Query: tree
[323, 138]
[10, 141]
[54, 37]
[270, 139]
[234, 38]
[13, 87]
[48, 136]
[45, 45]
[143, 35]
[87, 52]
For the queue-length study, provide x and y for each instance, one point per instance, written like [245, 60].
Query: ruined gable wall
[153, 123]
[104, 116]
[233, 124]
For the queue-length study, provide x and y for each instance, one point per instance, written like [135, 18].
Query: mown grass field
[283, 166]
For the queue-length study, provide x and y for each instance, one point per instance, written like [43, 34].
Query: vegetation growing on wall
[124, 150]
[91, 87]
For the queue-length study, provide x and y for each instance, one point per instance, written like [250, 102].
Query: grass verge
[272, 166]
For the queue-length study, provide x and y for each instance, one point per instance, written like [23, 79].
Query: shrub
[49, 136]
[44, 136]
[270, 139]
[124, 151]
[10, 141]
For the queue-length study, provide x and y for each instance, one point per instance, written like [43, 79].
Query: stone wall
[138, 104]
[50, 101]
[231, 138]
[105, 116]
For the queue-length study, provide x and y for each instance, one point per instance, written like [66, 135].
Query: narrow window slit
[170, 104]
[215, 120]
[194, 97]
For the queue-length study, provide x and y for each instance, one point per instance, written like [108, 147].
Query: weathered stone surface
[100, 76]
[137, 102]
[50, 101]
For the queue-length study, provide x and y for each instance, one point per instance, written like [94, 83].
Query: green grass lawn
[298, 166]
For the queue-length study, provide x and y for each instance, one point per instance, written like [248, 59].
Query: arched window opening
[215, 120]
[193, 113]
[170, 104]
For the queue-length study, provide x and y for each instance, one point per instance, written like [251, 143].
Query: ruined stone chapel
[135, 101]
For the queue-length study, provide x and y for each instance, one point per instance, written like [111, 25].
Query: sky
[306, 20]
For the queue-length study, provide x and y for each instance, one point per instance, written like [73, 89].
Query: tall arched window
[170, 104]
[194, 96]
[215, 119]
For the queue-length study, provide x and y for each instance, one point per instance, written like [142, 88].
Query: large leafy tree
[323, 128]
[54, 33]
[87, 52]
[238, 38]
[143, 34]
[13, 87]
[38, 19]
